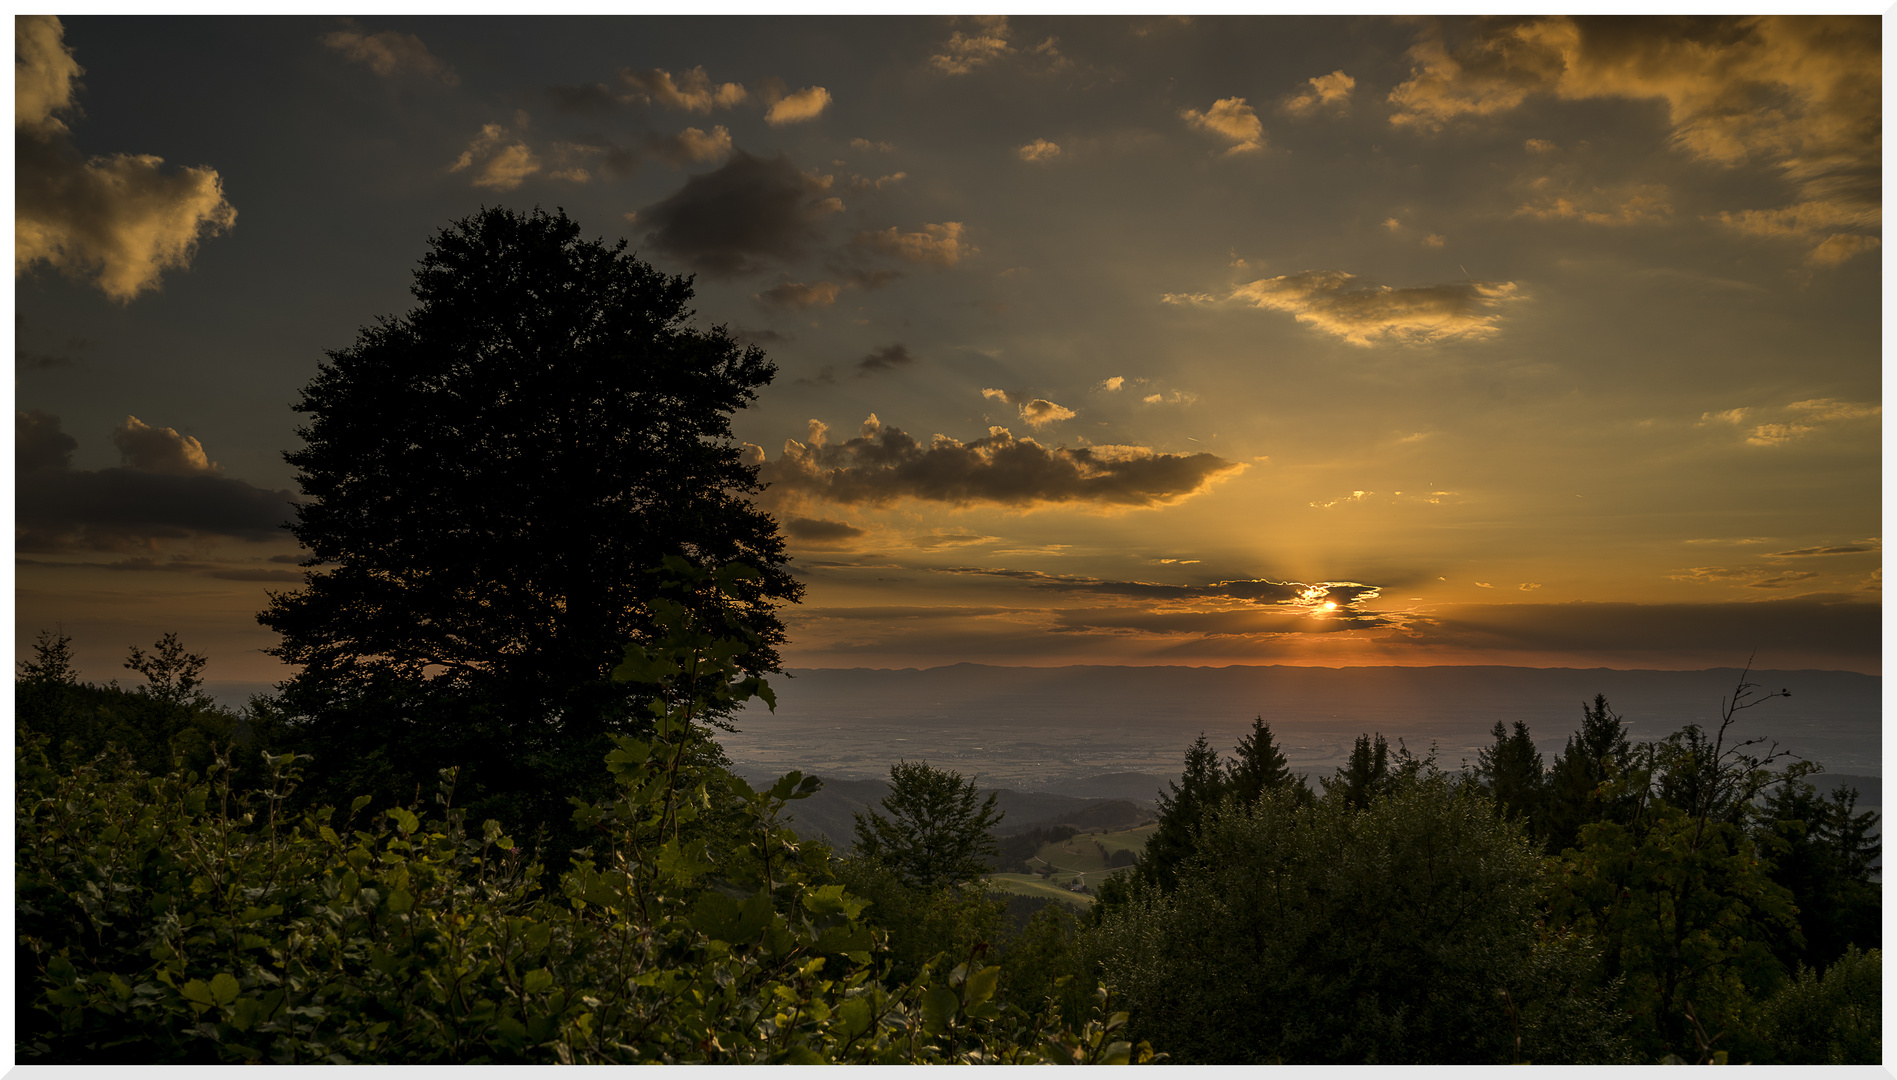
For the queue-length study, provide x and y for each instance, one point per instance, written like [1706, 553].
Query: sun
[1329, 605]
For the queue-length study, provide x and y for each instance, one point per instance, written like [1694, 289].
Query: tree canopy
[492, 481]
[936, 831]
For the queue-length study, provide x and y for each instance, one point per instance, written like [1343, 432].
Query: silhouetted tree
[493, 480]
[1825, 852]
[1181, 812]
[1573, 795]
[1511, 771]
[1363, 776]
[1259, 766]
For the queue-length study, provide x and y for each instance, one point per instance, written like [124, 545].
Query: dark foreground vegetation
[533, 468]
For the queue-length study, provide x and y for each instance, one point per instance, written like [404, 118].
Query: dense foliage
[181, 919]
[935, 829]
[1403, 933]
[491, 480]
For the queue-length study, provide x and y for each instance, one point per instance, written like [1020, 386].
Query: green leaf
[61, 971]
[938, 1009]
[981, 985]
[785, 785]
[198, 993]
[359, 802]
[856, 1014]
[224, 988]
[537, 980]
[400, 902]
[404, 821]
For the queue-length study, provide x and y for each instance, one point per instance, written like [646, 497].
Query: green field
[1030, 885]
[1077, 858]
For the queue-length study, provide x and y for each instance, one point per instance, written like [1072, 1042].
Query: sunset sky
[1319, 341]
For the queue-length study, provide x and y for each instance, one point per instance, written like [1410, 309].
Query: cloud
[1825, 410]
[692, 146]
[885, 464]
[1041, 412]
[38, 443]
[942, 245]
[878, 147]
[389, 53]
[862, 184]
[1298, 594]
[1839, 549]
[821, 533]
[691, 91]
[1800, 95]
[1361, 313]
[160, 450]
[805, 104]
[1539, 146]
[1176, 397]
[722, 222]
[503, 165]
[118, 221]
[1040, 151]
[1797, 420]
[1232, 120]
[167, 490]
[795, 294]
[1327, 92]
[1631, 204]
[1112, 385]
[887, 358]
[962, 53]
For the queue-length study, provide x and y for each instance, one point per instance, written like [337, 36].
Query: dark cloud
[872, 279]
[38, 443]
[724, 221]
[175, 566]
[1805, 631]
[31, 361]
[795, 295]
[887, 358]
[819, 531]
[1254, 590]
[885, 463]
[1842, 549]
[825, 376]
[760, 337]
[59, 508]
[590, 98]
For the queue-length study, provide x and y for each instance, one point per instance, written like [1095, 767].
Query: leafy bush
[1833, 1019]
[176, 919]
[1404, 932]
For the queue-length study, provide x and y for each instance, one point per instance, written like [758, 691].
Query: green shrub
[175, 919]
[1833, 1019]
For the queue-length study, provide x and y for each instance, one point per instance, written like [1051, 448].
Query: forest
[488, 819]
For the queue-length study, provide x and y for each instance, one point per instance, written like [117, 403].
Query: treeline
[194, 916]
[1674, 900]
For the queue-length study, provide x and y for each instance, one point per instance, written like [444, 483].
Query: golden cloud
[964, 52]
[691, 91]
[389, 53]
[1040, 151]
[1340, 304]
[941, 244]
[118, 220]
[1802, 95]
[1232, 120]
[805, 104]
[503, 165]
[1041, 412]
[1633, 204]
[1327, 92]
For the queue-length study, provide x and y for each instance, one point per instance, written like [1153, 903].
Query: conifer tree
[1574, 781]
[1363, 776]
[1196, 793]
[1259, 766]
[1511, 771]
